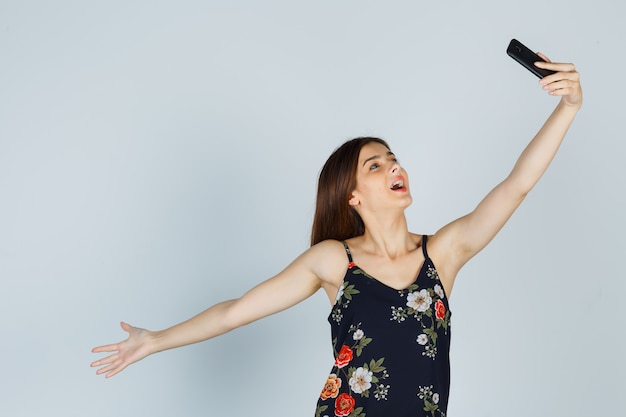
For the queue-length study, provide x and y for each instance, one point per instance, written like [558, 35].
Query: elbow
[519, 187]
[233, 316]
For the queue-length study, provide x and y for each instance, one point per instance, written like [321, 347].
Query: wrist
[155, 341]
[566, 106]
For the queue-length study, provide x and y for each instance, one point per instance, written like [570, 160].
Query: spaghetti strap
[424, 238]
[345, 245]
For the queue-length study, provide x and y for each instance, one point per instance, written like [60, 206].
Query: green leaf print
[349, 291]
[320, 410]
[359, 271]
[362, 343]
[432, 334]
[377, 366]
[357, 412]
[444, 322]
[430, 406]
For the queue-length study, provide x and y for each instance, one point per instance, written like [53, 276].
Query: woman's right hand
[131, 350]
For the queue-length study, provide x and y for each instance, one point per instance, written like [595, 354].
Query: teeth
[397, 185]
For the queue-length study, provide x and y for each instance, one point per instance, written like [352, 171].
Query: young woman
[388, 288]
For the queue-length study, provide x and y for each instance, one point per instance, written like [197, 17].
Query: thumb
[125, 326]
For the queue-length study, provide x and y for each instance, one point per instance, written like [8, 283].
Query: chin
[407, 201]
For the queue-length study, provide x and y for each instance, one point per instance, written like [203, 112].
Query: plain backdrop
[158, 157]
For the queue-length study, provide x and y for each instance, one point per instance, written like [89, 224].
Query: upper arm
[457, 242]
[317, 267]
[478, 228]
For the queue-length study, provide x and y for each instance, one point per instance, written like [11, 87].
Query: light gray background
[157, 157]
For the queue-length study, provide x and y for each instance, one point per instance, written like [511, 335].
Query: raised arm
[320, 266]
[460, 240]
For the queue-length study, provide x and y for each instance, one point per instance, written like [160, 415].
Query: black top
[391, 347]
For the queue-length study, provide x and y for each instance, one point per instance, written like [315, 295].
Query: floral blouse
[391, 347]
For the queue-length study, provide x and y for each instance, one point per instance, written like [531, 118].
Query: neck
[388, 237]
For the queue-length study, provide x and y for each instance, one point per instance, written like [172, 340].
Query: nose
[395, 167]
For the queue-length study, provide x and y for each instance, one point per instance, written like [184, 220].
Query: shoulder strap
[424, 239]
[345, 245]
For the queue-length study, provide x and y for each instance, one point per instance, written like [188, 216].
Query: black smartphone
[527, 58]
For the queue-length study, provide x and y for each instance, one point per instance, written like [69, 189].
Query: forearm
[206, 325]
[540, 152]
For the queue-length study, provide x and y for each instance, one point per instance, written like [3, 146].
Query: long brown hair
[334, 217]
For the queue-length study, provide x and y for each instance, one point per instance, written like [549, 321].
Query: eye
[374, 166]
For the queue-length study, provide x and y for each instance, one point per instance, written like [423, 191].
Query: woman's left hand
[565, 82]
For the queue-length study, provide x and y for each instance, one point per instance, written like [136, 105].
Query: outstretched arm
[297, 282]
[462, 239]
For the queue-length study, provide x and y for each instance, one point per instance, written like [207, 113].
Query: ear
[353, 201]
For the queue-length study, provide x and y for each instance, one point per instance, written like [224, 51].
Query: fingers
[110, 363]
[560, 88]
[111, 369]
[104, 361]
[562, 71]
[542, 56]
[562, 80]
[106, 348]
[113, 364]
[114, 372]
[556, 66]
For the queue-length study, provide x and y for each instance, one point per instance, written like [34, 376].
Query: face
[381, 181]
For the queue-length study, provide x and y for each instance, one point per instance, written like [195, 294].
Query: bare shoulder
[328, 260]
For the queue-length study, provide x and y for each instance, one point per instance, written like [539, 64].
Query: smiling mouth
[397, 185]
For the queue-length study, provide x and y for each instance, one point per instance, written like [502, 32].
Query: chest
[397, 274]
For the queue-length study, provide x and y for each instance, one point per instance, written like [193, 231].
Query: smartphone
[527, 58]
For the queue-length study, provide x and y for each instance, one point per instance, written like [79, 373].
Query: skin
[387, 250]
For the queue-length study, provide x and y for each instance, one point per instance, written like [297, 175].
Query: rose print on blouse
[362, 378]
[344, 405]
[440, 310]
[331, 388]
[344, 357]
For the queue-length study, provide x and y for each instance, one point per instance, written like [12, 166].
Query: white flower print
[439, 290]
[431, 399]
[381, 392]
[432, 273]
[430, 352]
[337, 316]
[419, 301]
[398, 314]
[425, 392]
[340, 292]
[358, 335]
[422, 339]
[361, 380]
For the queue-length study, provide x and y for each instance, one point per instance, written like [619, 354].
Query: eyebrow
[371, 158]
